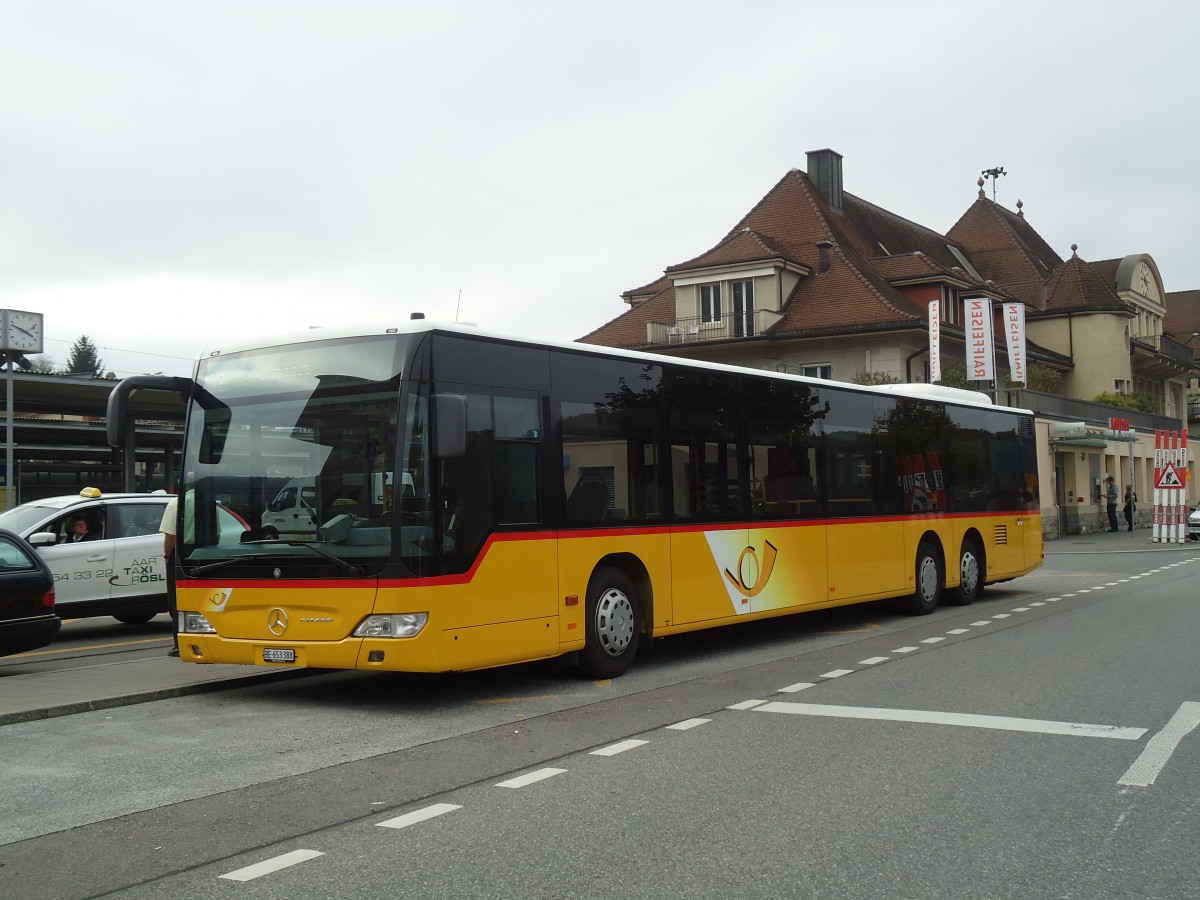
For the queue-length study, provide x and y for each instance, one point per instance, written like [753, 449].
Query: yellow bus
[467, 500]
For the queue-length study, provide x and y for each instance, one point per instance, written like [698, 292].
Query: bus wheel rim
[929, 578]
[614, 622]
[969, 572]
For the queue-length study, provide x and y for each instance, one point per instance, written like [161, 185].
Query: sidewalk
[1140, 539]
[26, 698]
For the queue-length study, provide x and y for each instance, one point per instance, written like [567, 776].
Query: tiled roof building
[818, 281]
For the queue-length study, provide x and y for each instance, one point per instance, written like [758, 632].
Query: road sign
[1168, 477]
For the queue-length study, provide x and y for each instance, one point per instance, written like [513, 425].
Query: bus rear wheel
[970, 574]
[613, 624]
[928, 589]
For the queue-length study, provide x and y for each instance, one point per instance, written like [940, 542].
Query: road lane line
[980, 622]
[688, 723]
[749, 704]
[837, 673]
[619, 747]
[793, 688]
[420, 815]
[272, 865]
[873, 660]
[530, 778]
[933, 640]
[958, 631]
[1160, 747]
[906, 649]
[969, 720]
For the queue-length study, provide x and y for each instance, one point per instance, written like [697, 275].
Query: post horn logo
[761, 574]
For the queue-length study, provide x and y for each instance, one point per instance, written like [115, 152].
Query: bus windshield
[298, 441]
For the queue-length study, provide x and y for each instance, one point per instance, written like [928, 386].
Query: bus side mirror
[450, 425]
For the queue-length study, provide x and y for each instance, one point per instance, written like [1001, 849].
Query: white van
[293, 513]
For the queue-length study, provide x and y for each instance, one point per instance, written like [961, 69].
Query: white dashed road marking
[798, 686]
[420, 815]
[688, 723]
[747, 704]
[272, 865]
[873, 660]
[619, 747]
[531, 778]
[837, 673]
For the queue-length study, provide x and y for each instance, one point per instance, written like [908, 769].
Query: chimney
[823, 249]
[825, 171]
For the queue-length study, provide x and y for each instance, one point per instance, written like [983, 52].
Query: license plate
[276, 654]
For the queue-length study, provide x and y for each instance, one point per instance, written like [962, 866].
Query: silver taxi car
[112, 563]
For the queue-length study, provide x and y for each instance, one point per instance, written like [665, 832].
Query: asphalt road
[851, 765]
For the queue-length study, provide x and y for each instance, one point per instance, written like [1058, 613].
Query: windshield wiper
[345, 566]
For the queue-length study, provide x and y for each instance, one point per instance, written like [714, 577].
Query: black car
[27, 619]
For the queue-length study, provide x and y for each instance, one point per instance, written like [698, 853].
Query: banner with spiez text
[1014, 337]
[935, 341]
[977, 320]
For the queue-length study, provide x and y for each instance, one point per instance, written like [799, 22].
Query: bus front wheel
[613, 624]
[928, 588]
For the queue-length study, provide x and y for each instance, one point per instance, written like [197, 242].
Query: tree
[1138, 400]
[954, 374]
[42, 364]
[84, 359]
[876, 378]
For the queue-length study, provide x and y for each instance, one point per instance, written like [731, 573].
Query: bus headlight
[195, 623]
[402, 625]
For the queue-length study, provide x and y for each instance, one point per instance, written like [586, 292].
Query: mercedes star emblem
[277, 621]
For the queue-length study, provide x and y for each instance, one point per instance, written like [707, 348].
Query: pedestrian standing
[1110, 495]
[168, 528]
[1130, 506]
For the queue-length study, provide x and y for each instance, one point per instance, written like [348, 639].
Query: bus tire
[970, 574]
[928, 588]
[613, 624]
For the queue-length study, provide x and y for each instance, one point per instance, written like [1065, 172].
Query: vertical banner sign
[1014, 338]
[980, 346]
[935, 341]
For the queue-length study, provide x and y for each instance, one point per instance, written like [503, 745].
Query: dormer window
[710, 302]
[951, 308]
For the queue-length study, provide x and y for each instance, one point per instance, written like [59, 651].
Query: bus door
[866, 533]
[501, 603]
[708, 497]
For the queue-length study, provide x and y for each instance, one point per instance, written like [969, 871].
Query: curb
[132, 699]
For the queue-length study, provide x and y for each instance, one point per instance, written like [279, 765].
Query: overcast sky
[177, 176]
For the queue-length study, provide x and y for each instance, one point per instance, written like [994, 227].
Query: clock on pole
[20, 331]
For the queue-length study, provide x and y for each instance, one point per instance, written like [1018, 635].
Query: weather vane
[993, 174]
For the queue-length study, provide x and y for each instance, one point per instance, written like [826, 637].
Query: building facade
[816, 281]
